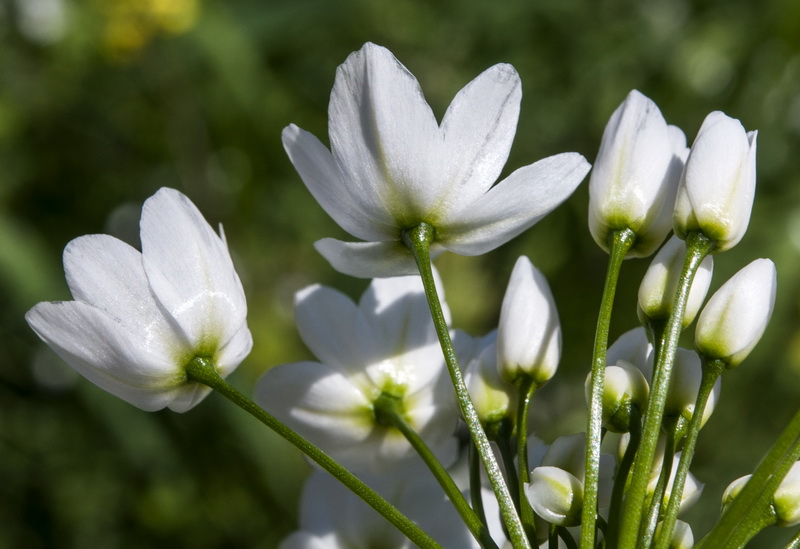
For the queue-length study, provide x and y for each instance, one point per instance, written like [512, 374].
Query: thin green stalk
[526, 387]
[648, 528]
[743, 517]
[622, 478]
[202, 371]
[698, 247]
[621, 242]
[475, 496]
[711, 372]
[387, 412]
[500, 433]
[418, 241]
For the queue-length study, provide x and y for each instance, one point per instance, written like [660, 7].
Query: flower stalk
[697, 247]
[418, 240]
[620, 242]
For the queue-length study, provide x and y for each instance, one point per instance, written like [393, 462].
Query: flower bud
[716, 190]
[633, 347]
[494, 399]
[692, 488]
[786, 501]
[733, 490]
[737, 314]
[529, 333]
[635, 176]
[556, 496]
[687, 374]
[624, 387]
[660, 282]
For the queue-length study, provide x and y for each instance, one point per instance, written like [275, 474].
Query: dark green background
[97, 114]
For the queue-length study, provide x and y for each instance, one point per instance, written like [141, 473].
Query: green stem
[743, 518]
[648, 528]
[621, 242]
[500, 433]
[475, 495]
[388, 412]
[418, 241]
[527, 387]
[622, 478]
[698, 247]
[203, 371]
[711, 372]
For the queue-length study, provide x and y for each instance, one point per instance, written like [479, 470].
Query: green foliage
[108, 101]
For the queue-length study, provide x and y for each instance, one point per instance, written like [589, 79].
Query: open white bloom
[391, 166]
[660, 282]
[734, 319]
[718, 185]
[138, 319]
[635, 176]
[384, 345]
[332, 517]
[529, 333]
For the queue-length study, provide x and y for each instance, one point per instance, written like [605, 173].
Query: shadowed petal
[356, 212]
[370, 259]
[513, 205]
[478, 130]
[190, 270]
[383, 134]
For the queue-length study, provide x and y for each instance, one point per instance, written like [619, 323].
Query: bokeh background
[104, 101]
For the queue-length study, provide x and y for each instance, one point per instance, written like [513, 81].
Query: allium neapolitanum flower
[734, 319]
[529, 333]
[138, 319]
[635, 176]
[391, 166]
[660, 282]
[624, 387]
[384, 345]
[718, 184]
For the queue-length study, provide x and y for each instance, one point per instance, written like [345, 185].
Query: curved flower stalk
[718, 184]
[392, 167]
[332, 517]
[385, 345]
[635, 176]
[138, 319]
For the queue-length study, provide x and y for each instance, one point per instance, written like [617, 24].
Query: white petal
[229, 356]
[108, 274]
[369, 259]
[190, 270]
[102, 350]
[327, 321]
[319, 402]
[513, 205]
[353, 211]
[478, 129]
[383, 134]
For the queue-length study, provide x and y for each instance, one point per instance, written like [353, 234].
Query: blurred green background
[103, 102]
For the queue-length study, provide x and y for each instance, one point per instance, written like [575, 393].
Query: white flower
[682, 537]
[660, 282]
[385, 345]
[687, 374]
[692, 488]
[139, 318]
[633, 347]
[624, 387]
[391, 167]
[734, 319]
[635, 176]
[494, 398]
[332, 517]
[716, 191]
[556, 495]
[529, 333]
